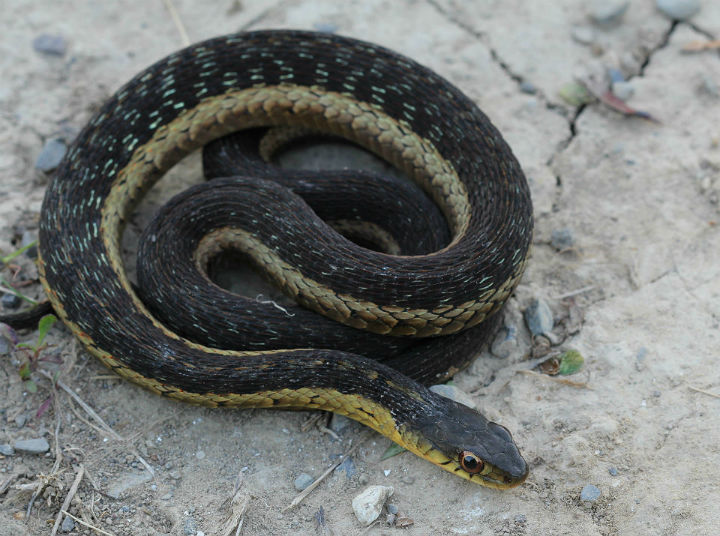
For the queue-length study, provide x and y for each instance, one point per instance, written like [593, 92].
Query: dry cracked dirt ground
[626, 253]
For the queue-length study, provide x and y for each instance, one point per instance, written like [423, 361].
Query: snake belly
[378, 99]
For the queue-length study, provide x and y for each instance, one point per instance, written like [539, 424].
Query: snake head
[468, 445]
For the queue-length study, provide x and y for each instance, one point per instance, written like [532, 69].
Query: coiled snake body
[373, 97]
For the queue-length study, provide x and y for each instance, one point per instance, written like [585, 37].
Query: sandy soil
[641, 202]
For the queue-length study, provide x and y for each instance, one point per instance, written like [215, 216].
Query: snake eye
[471, 463]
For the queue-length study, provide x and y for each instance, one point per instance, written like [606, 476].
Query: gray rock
[608, 11]
[590, 493]
[368, 504]
[539, 317]
[623, 90]
[32, 446]
[584, 35]
[303, 481]
[339, 423]
[391, 508]
[190, 526]
[20, 420]
[28, 238]
[53, 45]
[4, 346]
[347, 466]
[126, 482]
[709, 86]
[527, 87]
[679, 9]
[326, 27]
[68, 524]
[453, 393]
[562, 239]
[7, 450]
[10, 301]
[390, 519]
[51, 155]
[520, 519]
[613, 471]
[200, 454]
[505, 342]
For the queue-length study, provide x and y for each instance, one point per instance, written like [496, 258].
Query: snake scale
[380, 100]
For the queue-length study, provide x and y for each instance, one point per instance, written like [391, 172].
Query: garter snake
[384, 102]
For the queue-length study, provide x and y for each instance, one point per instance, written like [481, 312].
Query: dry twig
[304, 493]
[68, 500]
[564, 381]
[703, 391]
[178, 22]
[238, 506]
[85, 523]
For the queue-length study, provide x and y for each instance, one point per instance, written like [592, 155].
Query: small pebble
[390, 519]
[368, 504]
[590, 493]
[615, 75]
[32, 446]
[20, 420]
[505, 342]
[347, 466]
[302, 481]
[190, 526]
[608, 11]
[7, 450]
[51, 155]
[562, 239]
[679, 9]
[584, 35]
[339, 423]
[28, 238]
[527, 87]
[53, 45]
[326, 27]
[200, 454]
[539, 317]
[68, 524]
[4, 346]
[10, 301]
[520, 519]
[623, 90]
[613, 471]
[709, 86]
[392, 508]
[166, 497]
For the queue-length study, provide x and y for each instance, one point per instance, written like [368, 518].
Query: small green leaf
[46, 322]
[31, 386]
[392, 450]
[25, 371]
[18, 252]
[8, 288]
[575, 94]
[571, 361]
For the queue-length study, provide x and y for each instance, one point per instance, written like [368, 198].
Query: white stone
[368, 505]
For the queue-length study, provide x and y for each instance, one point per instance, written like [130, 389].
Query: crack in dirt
[483, 39]
[661, 45]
